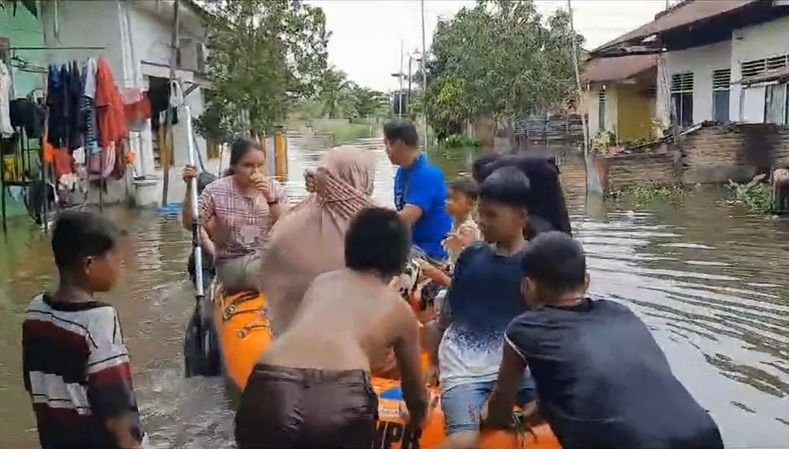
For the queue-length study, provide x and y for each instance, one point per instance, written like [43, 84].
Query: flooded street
[711, 282]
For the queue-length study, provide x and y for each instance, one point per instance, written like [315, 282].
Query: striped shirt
[247, 216]
[76, 370]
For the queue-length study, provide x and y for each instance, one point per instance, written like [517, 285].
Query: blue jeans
[463, 403]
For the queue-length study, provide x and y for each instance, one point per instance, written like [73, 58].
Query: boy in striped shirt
[76, 366]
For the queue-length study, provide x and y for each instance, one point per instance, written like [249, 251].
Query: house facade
[620, 96]
[723, 61]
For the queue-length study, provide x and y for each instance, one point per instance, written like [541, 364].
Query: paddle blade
[201, 346]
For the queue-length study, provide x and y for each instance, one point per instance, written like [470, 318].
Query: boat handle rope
[232, 310]
[244, 331]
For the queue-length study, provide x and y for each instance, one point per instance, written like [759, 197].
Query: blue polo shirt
[422, 185]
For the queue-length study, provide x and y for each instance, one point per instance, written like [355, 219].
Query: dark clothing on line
[303, 408]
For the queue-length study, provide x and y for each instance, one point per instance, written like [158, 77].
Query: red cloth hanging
[110, 116]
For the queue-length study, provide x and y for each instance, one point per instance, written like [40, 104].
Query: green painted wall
[23, 29]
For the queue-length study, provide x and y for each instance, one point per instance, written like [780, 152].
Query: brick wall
[627, 171]
[715, 154]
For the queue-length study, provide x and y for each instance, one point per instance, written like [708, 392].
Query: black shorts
[286, 408]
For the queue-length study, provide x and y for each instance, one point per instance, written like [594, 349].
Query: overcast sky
[366, 34]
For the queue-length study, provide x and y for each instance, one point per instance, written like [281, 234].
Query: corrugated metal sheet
[682, 14]
[598, 70]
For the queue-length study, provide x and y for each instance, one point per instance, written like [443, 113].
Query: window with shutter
[721, 80]
[682, 97]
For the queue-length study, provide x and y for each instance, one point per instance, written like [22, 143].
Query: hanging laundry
[136, 106]
[88, 106]
[109, 107]
[102, 164]
[27, 114]
[63, 163]
[75, 123]
[57, 121]
[6, 130]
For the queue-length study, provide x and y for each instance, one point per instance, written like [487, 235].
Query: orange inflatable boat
[244, 335]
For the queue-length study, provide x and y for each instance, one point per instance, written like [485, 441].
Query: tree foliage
[499, 59]
[263, 56]
[342, 98]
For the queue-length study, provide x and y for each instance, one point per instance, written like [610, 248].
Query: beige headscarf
[310, 238]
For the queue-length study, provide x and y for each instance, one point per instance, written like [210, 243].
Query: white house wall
[750, 43]
[701, 61]
[83, 23]
[151, 46]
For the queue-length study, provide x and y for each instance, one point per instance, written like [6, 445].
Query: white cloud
[367, 34]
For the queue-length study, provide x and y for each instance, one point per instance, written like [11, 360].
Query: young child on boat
[602, 380]
[312, 388]
[482, 300]
[76, 366]
[461, 203]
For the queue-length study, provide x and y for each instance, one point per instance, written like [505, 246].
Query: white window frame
[682, 83]
[721, 82]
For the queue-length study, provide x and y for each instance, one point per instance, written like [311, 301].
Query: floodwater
[710, 281]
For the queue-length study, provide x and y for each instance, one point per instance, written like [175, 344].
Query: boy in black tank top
[602, 380]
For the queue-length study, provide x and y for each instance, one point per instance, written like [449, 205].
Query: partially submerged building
[721, 79]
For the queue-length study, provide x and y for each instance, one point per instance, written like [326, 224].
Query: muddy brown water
[710, 280]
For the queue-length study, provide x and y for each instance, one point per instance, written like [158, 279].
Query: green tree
[335, 93]
[500, 60]
[368, 102]
[263, 56]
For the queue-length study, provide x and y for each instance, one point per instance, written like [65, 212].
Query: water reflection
[709, 280]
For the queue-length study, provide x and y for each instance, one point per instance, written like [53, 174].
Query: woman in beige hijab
[309, 239]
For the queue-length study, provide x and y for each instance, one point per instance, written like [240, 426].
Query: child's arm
[110, 391]
[499, 409]
[436, 274]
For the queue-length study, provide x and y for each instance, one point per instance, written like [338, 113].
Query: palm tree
[334, 95]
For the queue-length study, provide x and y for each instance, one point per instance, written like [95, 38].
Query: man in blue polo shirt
[420, 192]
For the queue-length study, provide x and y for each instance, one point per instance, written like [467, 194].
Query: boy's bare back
[347, 320]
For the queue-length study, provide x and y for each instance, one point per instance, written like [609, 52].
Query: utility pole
[174, 42]
[400, 77]
[424, 73]
[408, 95]
[578, 80]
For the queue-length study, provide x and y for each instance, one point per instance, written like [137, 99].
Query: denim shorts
[463, 403]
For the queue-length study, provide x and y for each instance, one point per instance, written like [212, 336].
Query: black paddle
[201, 349]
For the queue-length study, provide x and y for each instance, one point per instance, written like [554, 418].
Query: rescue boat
[244, 335]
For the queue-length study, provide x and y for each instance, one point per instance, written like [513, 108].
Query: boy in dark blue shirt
[420, 192]
[482, 300]
[602, 380]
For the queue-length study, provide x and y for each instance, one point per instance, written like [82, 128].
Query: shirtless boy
[312, 388]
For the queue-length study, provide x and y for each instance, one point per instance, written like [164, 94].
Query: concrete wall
[701, 61]
[83, 24]
[591, 104]
[716, 154]
[23, 30]
[755, 42]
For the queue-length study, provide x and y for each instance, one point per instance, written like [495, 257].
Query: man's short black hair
[403, 131]
[556, 261]
[465, 186]
[80, 234]
[507, 185]
[378, 241]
